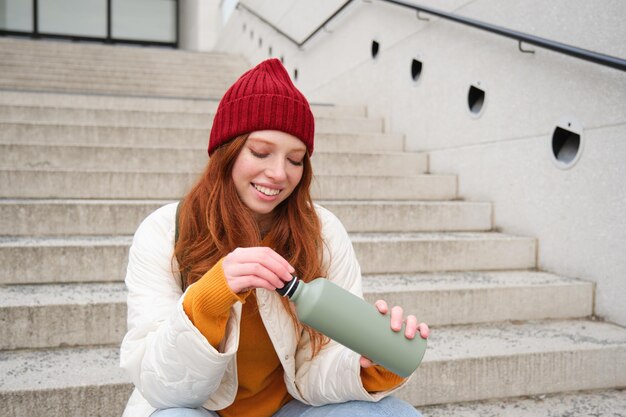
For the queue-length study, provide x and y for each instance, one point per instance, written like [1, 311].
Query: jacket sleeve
[170, 362]
[334, 374]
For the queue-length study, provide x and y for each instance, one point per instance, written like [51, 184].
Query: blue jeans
[387, 407]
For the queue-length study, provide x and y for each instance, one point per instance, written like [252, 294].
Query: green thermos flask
[354, 323]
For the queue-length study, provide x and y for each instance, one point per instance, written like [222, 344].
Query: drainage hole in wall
[269, 51]
[416, 69]
[295, 74]
[282, 60]
[475, 99]
[260, 42]
[565, 146]
[375, 49]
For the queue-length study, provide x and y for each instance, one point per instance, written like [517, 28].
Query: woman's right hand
[258, 267]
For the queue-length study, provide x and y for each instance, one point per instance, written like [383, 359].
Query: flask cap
[289, 288]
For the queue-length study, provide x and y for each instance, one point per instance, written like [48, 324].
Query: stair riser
[73, 218]
[521, 375]
[50, 326]
[130, 90]
[79, 218]
[112, 57]
[434, 383]
[459, 306]
[172, 79]
[594, 403]
[116, 71]
[12, 114]
[106, 400]
[66, 158]
[74, 101]
[448, 255]
[112, 60]
[39, 184]
[426, 217]
[39, 264]
[47, 326]
[17, 133]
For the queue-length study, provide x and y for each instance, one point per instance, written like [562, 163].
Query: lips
[270, 192]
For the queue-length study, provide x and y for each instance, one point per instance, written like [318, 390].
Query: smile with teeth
[267, 191]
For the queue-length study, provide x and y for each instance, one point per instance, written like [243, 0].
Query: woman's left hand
[397, 318]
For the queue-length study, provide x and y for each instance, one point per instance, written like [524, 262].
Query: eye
[258, 154]
[296, 163]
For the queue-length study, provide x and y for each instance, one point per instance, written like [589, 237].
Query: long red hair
[213, 221]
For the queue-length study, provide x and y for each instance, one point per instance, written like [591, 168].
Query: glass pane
[146, 20]
[16, 15]
[73, 17]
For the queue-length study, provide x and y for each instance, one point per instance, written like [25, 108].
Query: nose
[276, 170]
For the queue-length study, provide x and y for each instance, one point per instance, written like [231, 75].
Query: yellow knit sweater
[262, 390]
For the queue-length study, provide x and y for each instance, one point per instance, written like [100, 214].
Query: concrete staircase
[93, 138]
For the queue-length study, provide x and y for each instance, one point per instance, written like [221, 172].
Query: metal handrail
[580, 53]
[292, 40]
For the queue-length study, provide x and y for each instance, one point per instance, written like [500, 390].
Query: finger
[424, 330]
[381, 305]
[254, 269]
[364, 362]
[255, 256]
[268, 257]
[396, 318]
[245, 283]
[411, 327]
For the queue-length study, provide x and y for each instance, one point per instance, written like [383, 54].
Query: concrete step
[106, 102]
[104, 70]
[90, 52]
[53, 134]
[453, 298]
[118, 103]
[125, 159]
[140, 118]
[133, 118]
[464, 363]
[416, 252]
[123, 57]
[184, 76]
[143, 89]
[119, 54]
[30, 260]
[573, 404]
[35, 316]
[77, 382]
[412, 216]
[476, 362]
[114, 217]
[141, 185]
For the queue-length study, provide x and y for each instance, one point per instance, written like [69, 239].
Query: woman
[206, 330]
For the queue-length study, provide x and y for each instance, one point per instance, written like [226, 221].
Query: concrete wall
[200, 24]
[504, 153]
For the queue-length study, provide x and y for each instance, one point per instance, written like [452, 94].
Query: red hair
[213, 221]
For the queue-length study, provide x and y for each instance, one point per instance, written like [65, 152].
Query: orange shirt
[262, 390]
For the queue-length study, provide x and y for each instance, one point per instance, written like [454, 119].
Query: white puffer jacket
[173, 365]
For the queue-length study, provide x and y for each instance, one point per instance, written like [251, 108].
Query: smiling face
[267, 170]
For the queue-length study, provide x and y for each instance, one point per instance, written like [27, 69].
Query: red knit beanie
[264, 98]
